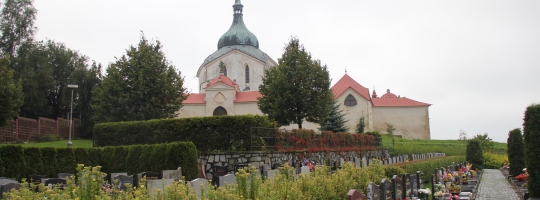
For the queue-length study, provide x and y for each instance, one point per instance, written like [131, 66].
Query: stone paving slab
[494, 186]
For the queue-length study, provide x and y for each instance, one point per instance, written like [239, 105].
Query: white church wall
[410, 122]
[220, 95]
[353, 113]
[247, 108]
[192, 110]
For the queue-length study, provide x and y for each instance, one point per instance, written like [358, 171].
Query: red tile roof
[223, 79]
[347, 82]
[391, 100]
[250, 96]
[195, 99]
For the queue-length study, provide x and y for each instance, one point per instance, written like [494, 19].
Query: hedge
[19, 162]
[531, 135]
[207, 133]
[475, 154]
[515, 151]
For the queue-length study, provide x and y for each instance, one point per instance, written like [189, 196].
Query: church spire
[238, 7]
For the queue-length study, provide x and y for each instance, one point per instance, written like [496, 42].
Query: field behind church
[450, 147]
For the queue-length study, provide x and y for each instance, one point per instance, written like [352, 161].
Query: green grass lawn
[61, 144]
[450, 147]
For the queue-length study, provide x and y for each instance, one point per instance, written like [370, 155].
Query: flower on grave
[522, 177]
[439, 187]
[424, 193]
[438, 194]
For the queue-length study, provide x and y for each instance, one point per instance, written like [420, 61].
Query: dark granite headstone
[355, 195]
[36, 179]
[218, 171]
[55, 182]
[122, 180]
[386, 186]
[373, 191]
[8, 187]
[406, 182]
[397, 188]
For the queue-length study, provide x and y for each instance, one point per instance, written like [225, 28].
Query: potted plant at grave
[423, 194]
[454, 189]
[439, 190]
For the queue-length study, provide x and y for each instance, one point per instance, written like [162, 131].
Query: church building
[229, 80]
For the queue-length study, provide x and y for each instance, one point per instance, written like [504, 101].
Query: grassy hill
[450, 147]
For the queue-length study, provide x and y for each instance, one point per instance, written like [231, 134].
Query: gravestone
[218, 171]
[341, 162]
[227, 179]
[4, 181]
[386, 187]
[357, 162]
[304, 170]
[265, 168]
[55, 182]
[433, 182]
[397, 188]
[148, 175]
[122, 180]
[158, 185]
[36, 179]
[270, 174]
[65, 175]
[8, 187]
[198, 184]
[373, 191]
[355, 195]
[406, 184]
[364, 162]
[414, 185]
[116, 174]
[176, 175]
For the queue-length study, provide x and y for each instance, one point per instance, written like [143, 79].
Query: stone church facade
[230, 77]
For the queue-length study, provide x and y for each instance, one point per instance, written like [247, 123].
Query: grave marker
[355, 195]
[158, 185]
[227, 179]
[373, 191]
[8, 187]
[122, 180]
[198, 184]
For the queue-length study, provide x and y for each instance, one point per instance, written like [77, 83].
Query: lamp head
[72, 86]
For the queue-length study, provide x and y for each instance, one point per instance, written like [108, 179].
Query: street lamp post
[71, 112]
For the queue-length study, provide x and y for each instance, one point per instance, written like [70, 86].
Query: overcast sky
[477, 62]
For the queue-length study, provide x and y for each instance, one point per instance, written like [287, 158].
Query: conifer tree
[515, 152]
[335, 122]
[531, 134]
[361, 125]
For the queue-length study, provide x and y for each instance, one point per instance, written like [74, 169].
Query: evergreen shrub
[32, 159]
[13, 161]
[66, 160]
[50, 164]
[516, 152]
[207, 133]
[132, 159]
[81, 156]
[475, 154]
[531, 133]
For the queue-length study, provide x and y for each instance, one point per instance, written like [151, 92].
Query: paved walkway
[494, 186]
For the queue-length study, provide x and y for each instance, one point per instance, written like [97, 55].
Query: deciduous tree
[140, 85]
[297, 89]
[16, 25]
[11, 96]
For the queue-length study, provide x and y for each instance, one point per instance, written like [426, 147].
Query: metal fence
[26, 129]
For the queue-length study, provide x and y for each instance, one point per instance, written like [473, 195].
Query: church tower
[238, 56]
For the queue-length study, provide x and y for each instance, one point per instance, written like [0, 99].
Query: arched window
[223, 69]
[350, 101]
[220, 111]
[247, 74]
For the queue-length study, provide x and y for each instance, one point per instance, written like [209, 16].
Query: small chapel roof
[221, 79]
[347, 82]
[194, 99]
[250, 96]
[391, 100]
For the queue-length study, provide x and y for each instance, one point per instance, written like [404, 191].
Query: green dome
[238, 34]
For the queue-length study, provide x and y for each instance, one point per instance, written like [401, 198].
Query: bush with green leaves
[13, 161]
[32, 158]
[207, 133]
[516, 153]
[66, 160]
[474, 154]
[50, 164]
[531, 133]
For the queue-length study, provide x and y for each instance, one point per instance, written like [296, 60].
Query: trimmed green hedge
[18, 162]
[207, 133]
